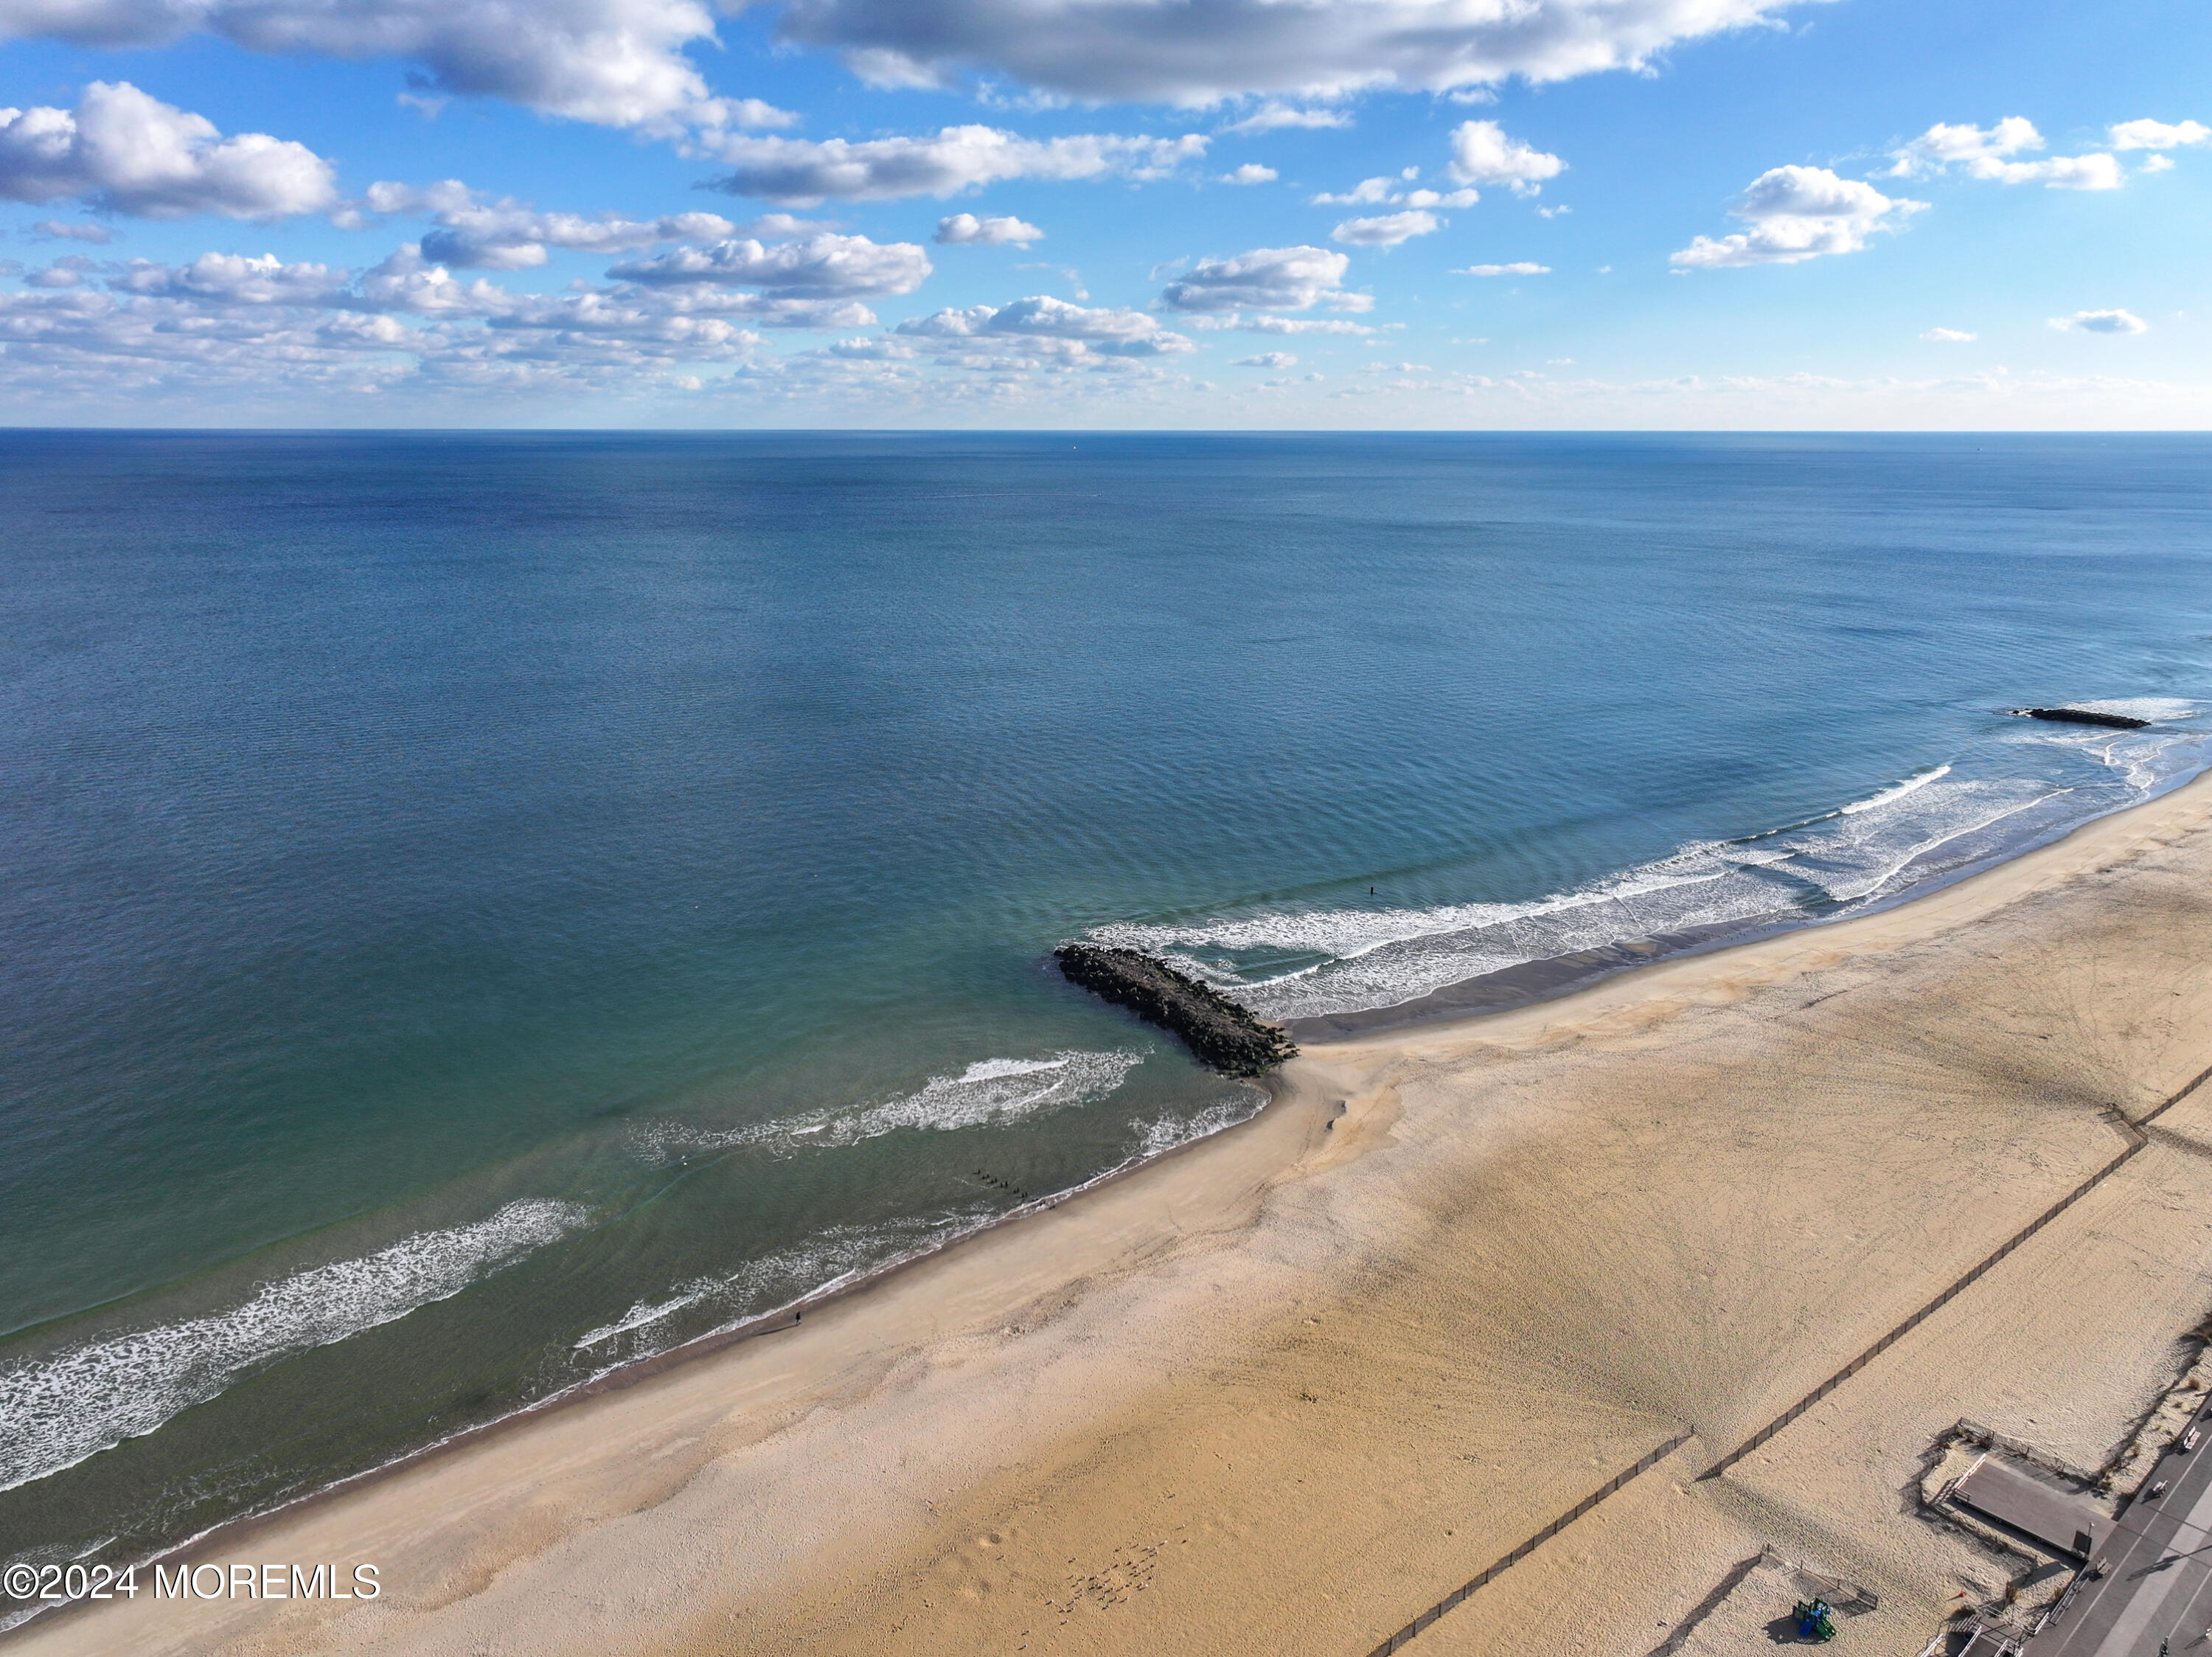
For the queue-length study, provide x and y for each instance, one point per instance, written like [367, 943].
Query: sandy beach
[1287, 1389]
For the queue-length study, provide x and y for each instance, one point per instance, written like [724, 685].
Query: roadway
[2157, 1591]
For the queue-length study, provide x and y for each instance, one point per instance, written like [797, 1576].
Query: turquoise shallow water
[482, 908]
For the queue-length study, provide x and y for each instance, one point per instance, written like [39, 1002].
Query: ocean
[485, 908]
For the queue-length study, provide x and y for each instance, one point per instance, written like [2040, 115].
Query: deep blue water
[480, 908]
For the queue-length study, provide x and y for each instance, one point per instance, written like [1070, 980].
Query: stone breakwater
[1222, 1035]
[2080, 717]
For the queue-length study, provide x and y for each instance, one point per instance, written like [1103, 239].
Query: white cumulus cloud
[1946, 144]
[1265, 279]
[714, 117]
[1482, 153]
[1267, 360]
[2091, 172]
[1272, 117]
[1798, 213]
[1251, 172]
[823, 266]
[1043, 331]
[1520, 268]
[2100, 322]
[619, 63]
[871, 350]
[127, 152]
[1988, 152]
[236, 279]
[965, 228]
[1950, 336]
[511, 235]
[1365, 194]
[67, 273]
[1294, 325]
[252, 329]
[1194, 54]
[795, 173]
[2158, 135]
[385, 198]
[57, 231]
[1387, 230]
[1370, 192]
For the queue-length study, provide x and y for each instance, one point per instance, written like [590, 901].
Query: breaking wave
[1168, 1133]
[832, 1259]
[1313, 963]
[61, 1407]
[1910, 785]
[821, 1265]
[991, 1091]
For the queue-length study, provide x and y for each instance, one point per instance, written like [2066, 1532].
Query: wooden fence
[1459, 1595]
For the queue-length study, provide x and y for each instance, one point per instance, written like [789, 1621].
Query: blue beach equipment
[1815, 1621]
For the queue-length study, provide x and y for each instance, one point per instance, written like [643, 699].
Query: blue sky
[1099, 213]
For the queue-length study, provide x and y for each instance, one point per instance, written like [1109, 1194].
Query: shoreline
[1933, 909]
[634, 1371]
[1532, 983]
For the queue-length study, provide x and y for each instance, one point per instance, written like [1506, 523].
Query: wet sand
[1283, 1391]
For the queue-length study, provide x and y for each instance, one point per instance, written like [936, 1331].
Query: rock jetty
[2079, 716]
[1222, 1035]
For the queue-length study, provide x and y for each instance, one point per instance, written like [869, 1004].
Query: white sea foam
[2144, 707]
[995, 1090]
[2151, 760]
[1349, 934]
[639, 1316]
[61, 1407]
[2144, 759]
[1355, 959]
[992, 1090]
[1910, 785]
[1861, 858]
[760, 1287]
[1168, 1133]
[1383, 957]
[829, 1260]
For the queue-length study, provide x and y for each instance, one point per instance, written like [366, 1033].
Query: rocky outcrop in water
[1222, 1035]
[2079, 716]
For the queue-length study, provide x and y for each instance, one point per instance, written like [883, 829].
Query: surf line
[2138, 1139]
[626, 1373]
